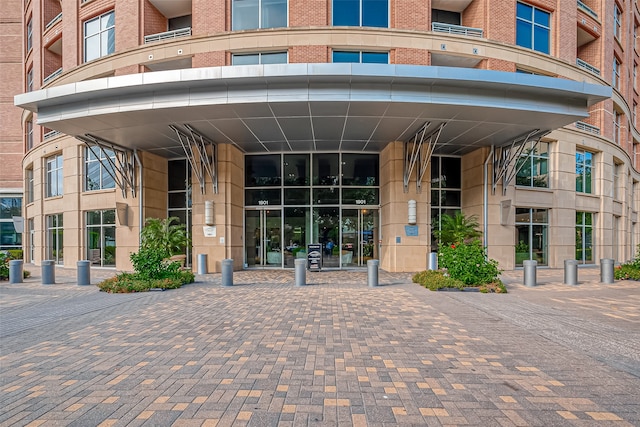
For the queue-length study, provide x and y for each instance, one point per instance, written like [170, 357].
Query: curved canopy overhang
[304, 107]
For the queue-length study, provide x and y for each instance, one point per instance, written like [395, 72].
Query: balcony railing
[53, 21]
[51, 134]
[588, 66]
[52, 76]
[439, 27]
[182, 32]
[588, 128]
[587, 9]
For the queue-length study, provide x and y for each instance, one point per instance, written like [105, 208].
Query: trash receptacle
[16, 273]
[84, 272]
[48, 272]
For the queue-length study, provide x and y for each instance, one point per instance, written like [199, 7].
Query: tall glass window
[617, 124]
[101, 237]
[179, 197]
[361, 57]
[584, 171]
[28, 177]
[32, 239]
[29, 134]
[531, 235]
[446, 191]
[584, 237]
[253, 14]
[361, 13]
[533, 28]
[617, 21]
[29, 34]
[533, 166]
[98, 170]
[54, 176]
[259, 58]
[100, 36]
[30, 80]
[615, 77]
[55, 238]
[10, 206]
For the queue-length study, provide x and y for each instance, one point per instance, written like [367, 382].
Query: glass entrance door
[263, 238]
[359, 237]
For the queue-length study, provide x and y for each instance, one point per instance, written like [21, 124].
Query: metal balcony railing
[181, 32]
[51, 134]
[587, 9]
[588, 128]
[52, 76]
[588, 66]
[53, 21]
[439, 27]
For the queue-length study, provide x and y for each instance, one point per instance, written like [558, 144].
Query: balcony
[168, 35]
[588, 128]
[52, 76]
[587, 66]
[439, 27]
[51, 134]
[51, 23]
[587, 9]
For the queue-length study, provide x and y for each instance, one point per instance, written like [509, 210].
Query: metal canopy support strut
[505, 158]
[203, 160]
[419, 155]
[120, 166]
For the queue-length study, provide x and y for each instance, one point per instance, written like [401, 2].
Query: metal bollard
[15, 271]
[570, 272]
[372, 272]
[606, 270]
[433, 261]
[300, 266]
[227, 272]
[84, 272]
[202, 263]
[48, 272]
[530, 266]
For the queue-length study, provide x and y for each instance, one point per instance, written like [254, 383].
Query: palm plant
[457, 229]
[166, 235]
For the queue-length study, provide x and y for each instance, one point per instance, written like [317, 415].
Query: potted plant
[166, 235]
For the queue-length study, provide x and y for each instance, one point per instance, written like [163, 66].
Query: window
[533, 166]
[533, 29]
[10, 206]
[584, 237]
[618, 183]
[98, 169]
[615, 78]
[32, 237]
[101, 237]
[635, 75]
[584, 171]
[54, 176]
[100, 36]
[361, 13]
[617, 123]
[634, 112]
[29, 34]
[30, 80]
[259, 58]
[29, 134]
[617, 21]
[55, 238]
[532, 227]
[253, 14]
[446, 193]
[361, 57]
[179, 197]
[29, 184]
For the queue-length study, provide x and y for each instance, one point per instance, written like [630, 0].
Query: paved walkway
[267, 353]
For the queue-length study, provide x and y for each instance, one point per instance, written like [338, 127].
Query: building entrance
[263, 238]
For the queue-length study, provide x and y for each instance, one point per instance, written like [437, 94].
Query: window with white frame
[361, 57]
[617, 21]
[54, 175]
[29, 34]
[29, 134]
[101, 237]
[533, 165]
[100, 36]
[55, 238]
[361, 13]
[584, 237]
[615, 78]
[532, 229]
[10, 206]
[617, 124]
[259, 58]
[28, 177]
[98, 169]
[254, 14]
[30, 80]
[584, 171]
[618, 180]
[533, 28]
[634, 112]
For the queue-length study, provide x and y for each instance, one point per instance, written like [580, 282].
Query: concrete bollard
[84, 272]
[606, 270]
[372, 272]
[48, 272]
[433, 261]
[570, 272]
[227, 272]
[530, 266]
[300, 266]
[16, 271]
[202, 263]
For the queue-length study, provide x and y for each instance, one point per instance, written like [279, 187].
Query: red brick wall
[128, 24]
[309, 13]
[303, 54]
[154, 21]
[209, 19]
[411, 56]
[411, 14]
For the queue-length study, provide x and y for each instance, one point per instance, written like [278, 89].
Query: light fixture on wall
[412, 212]
[208, 212]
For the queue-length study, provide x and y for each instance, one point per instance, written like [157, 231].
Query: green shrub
[15, 253]
[132, 282]
[495, 287]
[4, 265]
[627, 272]
[434, 280]
[151, 263]
[468, 263]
